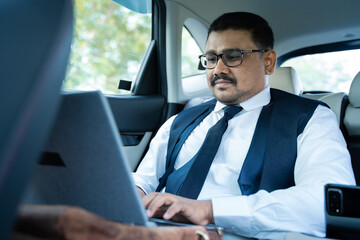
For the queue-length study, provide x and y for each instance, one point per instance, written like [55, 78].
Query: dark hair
[262, 35]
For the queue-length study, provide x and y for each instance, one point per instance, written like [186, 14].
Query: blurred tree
[109, 44]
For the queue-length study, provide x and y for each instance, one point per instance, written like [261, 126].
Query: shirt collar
[259, 100]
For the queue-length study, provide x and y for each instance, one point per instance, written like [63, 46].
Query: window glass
[193, 80]
[327, 71]
[190, 52]
[109, 44]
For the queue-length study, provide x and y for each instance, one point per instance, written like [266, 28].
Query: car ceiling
[296, 24]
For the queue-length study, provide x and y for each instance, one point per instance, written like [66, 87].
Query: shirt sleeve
[152, 167]
[322, 158]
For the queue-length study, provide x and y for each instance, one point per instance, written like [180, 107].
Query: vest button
[245, 186]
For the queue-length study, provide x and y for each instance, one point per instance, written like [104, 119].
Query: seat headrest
[335, 102]
[286, 79]
[354, 93]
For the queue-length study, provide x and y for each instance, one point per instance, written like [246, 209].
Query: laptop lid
[84, 163]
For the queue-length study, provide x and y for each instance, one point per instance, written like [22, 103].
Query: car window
[332, 71]
[190, 52]
[193, 79]
[109, 44]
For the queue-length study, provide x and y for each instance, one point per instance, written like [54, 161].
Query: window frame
[323, 48]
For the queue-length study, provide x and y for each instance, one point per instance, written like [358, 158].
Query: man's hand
[35, 222]
[141, 192]
[169, 206]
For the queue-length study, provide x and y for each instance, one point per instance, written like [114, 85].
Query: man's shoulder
[200, 107]
[186, 116]
[292, 100]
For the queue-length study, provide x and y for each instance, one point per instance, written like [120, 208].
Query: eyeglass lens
[230, 59]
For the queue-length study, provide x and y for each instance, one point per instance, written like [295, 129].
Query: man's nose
[220, 67]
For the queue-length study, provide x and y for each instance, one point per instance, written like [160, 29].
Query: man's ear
[269, 61]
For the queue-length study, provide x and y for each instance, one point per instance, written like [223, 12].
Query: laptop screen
[84, 163]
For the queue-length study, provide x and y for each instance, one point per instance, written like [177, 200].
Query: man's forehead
[229, 39]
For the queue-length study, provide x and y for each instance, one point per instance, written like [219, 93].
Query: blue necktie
[196, 176]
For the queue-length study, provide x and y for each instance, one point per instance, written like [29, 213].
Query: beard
[225, 95]
[235, 91]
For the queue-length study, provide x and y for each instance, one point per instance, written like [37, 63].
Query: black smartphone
[342, 204]
[343, 200]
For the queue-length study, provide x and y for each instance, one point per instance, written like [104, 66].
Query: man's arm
[152, 166]
[69, 222]
[166, 205]
[322, 158]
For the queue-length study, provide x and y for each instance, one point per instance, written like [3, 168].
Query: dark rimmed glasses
[231, 58]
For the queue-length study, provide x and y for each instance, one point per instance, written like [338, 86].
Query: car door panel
[137, 118]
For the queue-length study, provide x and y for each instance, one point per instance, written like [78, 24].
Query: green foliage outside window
[109, 44]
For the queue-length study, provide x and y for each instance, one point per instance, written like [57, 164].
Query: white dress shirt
[322, 158]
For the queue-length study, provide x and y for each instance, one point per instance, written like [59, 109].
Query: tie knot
[231, 111]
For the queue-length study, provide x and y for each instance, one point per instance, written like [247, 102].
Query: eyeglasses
[231, 58]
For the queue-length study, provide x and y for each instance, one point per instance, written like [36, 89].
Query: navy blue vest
[270, 161]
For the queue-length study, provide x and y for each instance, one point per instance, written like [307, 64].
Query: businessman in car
[253, 160]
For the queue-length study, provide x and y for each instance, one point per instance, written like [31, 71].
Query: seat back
[337, 102]
[352, 125]
[34, 45]
[286, 79]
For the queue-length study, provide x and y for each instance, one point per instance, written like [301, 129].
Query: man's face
[237, 84]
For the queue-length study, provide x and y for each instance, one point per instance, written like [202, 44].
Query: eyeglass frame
[235, 50]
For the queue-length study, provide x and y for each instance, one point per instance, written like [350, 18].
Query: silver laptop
[84, 165]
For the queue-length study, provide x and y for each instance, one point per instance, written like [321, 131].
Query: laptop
[84, 164]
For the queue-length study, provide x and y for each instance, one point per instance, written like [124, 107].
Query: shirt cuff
[142, 184]
[233, 214]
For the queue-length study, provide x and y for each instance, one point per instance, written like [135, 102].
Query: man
[277, 152]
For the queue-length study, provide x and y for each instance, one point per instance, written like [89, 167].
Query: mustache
[224, 77]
